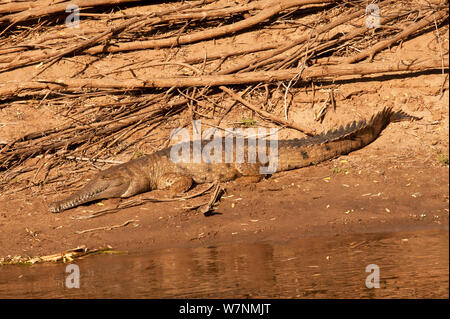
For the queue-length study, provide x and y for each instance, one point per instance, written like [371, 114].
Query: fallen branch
[13, 88]
[218, 52]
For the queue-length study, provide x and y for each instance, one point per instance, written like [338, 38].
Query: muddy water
[411, 265]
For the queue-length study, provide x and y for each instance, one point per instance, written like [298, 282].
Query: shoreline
[304, 206]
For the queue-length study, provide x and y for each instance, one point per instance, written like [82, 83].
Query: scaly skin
[158, 171]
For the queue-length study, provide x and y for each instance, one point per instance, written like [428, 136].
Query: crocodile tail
[368, 131]
[398, 116]
[303, 152]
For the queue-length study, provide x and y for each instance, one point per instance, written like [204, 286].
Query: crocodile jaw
[75, 200]
[102, 186]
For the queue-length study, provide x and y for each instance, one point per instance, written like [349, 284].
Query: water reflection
[412, 265]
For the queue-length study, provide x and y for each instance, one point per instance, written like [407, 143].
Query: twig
[207, 209]
[105, 227]
[87, 159]
[442, 86]
[439, 42]
[295, 78]
[321, 114]
[333, 100]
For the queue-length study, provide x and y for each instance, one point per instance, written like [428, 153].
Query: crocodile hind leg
[176, 183]
[249, 172]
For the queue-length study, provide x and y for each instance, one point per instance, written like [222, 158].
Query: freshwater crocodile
[158, 171]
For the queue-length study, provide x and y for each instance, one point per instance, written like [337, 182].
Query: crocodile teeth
[63, 205]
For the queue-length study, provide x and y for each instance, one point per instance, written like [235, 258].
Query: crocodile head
[104, 185]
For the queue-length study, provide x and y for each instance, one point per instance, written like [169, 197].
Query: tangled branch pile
[181, 58]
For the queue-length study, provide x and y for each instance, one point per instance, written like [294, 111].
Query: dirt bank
[384, 187]
[399, 182]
